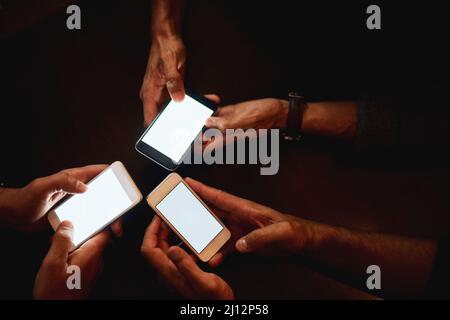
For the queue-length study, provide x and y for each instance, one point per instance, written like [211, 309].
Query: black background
[71, 98]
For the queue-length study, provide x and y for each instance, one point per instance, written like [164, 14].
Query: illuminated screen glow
[189, 217]
[102, 203]
[177, 127]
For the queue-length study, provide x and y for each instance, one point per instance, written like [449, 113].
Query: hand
[164, 75]
[177, 269]
[254, 228]
[256, 114]
[26, 205]
[51, 280]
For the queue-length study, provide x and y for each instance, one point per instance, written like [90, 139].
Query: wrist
[333, 118]
[311, 118]
[164, 32]
[282, 114]
[316, 236]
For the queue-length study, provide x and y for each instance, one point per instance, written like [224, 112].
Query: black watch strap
[295, 116]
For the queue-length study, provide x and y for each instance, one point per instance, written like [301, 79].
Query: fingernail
[242, 245]
[81, 186]
[178, 96]
[174, 255]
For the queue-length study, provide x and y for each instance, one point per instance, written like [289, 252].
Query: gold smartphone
[189, 217]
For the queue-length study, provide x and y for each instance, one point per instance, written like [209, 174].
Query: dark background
[71, 98]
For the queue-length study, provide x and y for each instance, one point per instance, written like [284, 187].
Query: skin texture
[25, 209]
[164, 76]
[51, 279]
[406, 263]
[334, 119]
[24, 206]
[177, 269]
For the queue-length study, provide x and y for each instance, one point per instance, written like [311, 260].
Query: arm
[406, 263]
[23, 206]
[166, 63]
[167, 16]
[402, 122]
[336, 119]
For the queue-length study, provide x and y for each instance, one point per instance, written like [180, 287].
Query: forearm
[167, 16]
[336, 119]
[406, 263]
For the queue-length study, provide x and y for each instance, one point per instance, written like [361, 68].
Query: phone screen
[176, 127]
[189, 217]
[104, 201]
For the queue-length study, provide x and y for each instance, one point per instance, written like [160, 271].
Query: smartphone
[110, 194]
[189, 217]
[169, 137]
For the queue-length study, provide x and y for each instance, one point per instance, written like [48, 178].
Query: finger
[153, 234]
[61, 244]
[153, 95]
[92, 250]
[217, 123]
[216, 197]
[213, 97]
[117, 228]
[61, 181]
[219, 257]
[174, 80]
[87, 173]
[196, 277]
[260, 239]
[168, 272]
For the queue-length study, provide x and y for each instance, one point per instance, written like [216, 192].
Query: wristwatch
[295, 116]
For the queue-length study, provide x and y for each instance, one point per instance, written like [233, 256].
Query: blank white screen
[176, 127]
[189, 217]
[104, 201]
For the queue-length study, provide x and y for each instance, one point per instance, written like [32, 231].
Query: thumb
[174, 81]
[260, 239]
[189, 269]
[215, 122]
[175, 86]
[63, 181]
[61, 244]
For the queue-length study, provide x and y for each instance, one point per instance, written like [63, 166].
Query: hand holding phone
[111, 194]
[169, 137]
[178, 269]
[189, 217]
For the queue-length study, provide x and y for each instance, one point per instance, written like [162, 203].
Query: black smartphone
[171, 134]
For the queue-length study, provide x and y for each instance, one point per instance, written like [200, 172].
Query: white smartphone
[189, 217]
[111, 194]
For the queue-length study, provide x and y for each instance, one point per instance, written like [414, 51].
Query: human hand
[52, 279]
[256, 114]
[164, 74]
[26, 205]
[177, 269]
[254, 228]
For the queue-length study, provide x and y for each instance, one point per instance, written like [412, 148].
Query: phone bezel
[162, 190]
[159, 157]
[127, 183]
